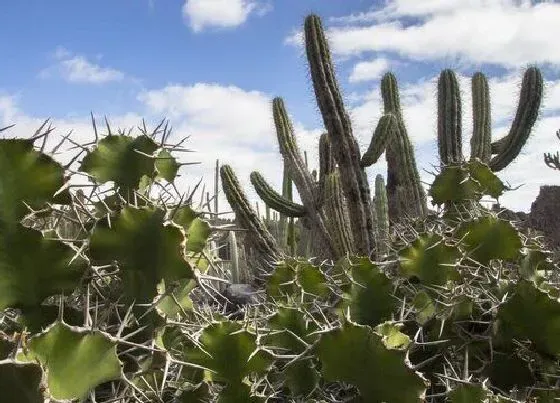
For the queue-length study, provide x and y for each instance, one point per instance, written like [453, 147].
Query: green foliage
[76, 360]
[126, 302]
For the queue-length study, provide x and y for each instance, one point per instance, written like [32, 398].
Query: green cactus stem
[382, 217]
[526, 115]
[305, 184]
[257, 235]
[482, 122]
[335, 205]
[449, 119]
[403, 180]
[383, 132]
[337, 123]
[273, 199]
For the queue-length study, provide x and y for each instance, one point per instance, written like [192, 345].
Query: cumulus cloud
[369, 70]
[78, 69]
[506, 33]
[202, 14]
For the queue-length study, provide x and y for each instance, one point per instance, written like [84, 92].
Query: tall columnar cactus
[405, 193]
[449, 119]
[257, 235]
[481, 140]
[337, 122]
[509, 147]
[382, 217]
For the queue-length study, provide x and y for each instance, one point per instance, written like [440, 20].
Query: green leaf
[20, 382]
[178, 302]
[430, 260]
[28, 176]
[489, 183]
[115, 158]
[229, 352]
[508, 370]
[26, 279]
[197, 230]
[76, 360]
[301, 378]
[167, 166]
[282, 282]
[453, 184]
[533, 262]
[292, 320]
[371, 299]
[469, 394]
[490, 238]
[393, 338]
[37, 318]
[425, 307]
[311, 280]
[357, 355]
[532, 314]
[147, 251]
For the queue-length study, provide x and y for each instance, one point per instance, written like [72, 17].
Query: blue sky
[212, 67]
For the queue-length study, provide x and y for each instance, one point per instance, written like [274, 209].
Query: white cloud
[221, 13]
[78, 69]
[370, 70]
[503, 32]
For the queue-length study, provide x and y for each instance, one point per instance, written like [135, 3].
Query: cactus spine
[337, 123]
[257, 234]
[405, 193]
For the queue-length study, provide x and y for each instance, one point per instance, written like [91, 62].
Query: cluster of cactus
[337, 206]
[496, 155]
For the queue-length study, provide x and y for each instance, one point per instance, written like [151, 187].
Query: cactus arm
[525, 117]
[482, 124]
[383, 132]
[449, 119]
[402, 172]
[337, 122]
[257, 234]
[234, 258]
[275, 200]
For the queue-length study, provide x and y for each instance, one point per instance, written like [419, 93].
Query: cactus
[482, 124]
[274, 199]
[405, 193]
[335, 206]
[234, 258]
[382, 217]
[383, 132]
[337, 123]
[257, 235]
[449, 119]
[509, 147]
